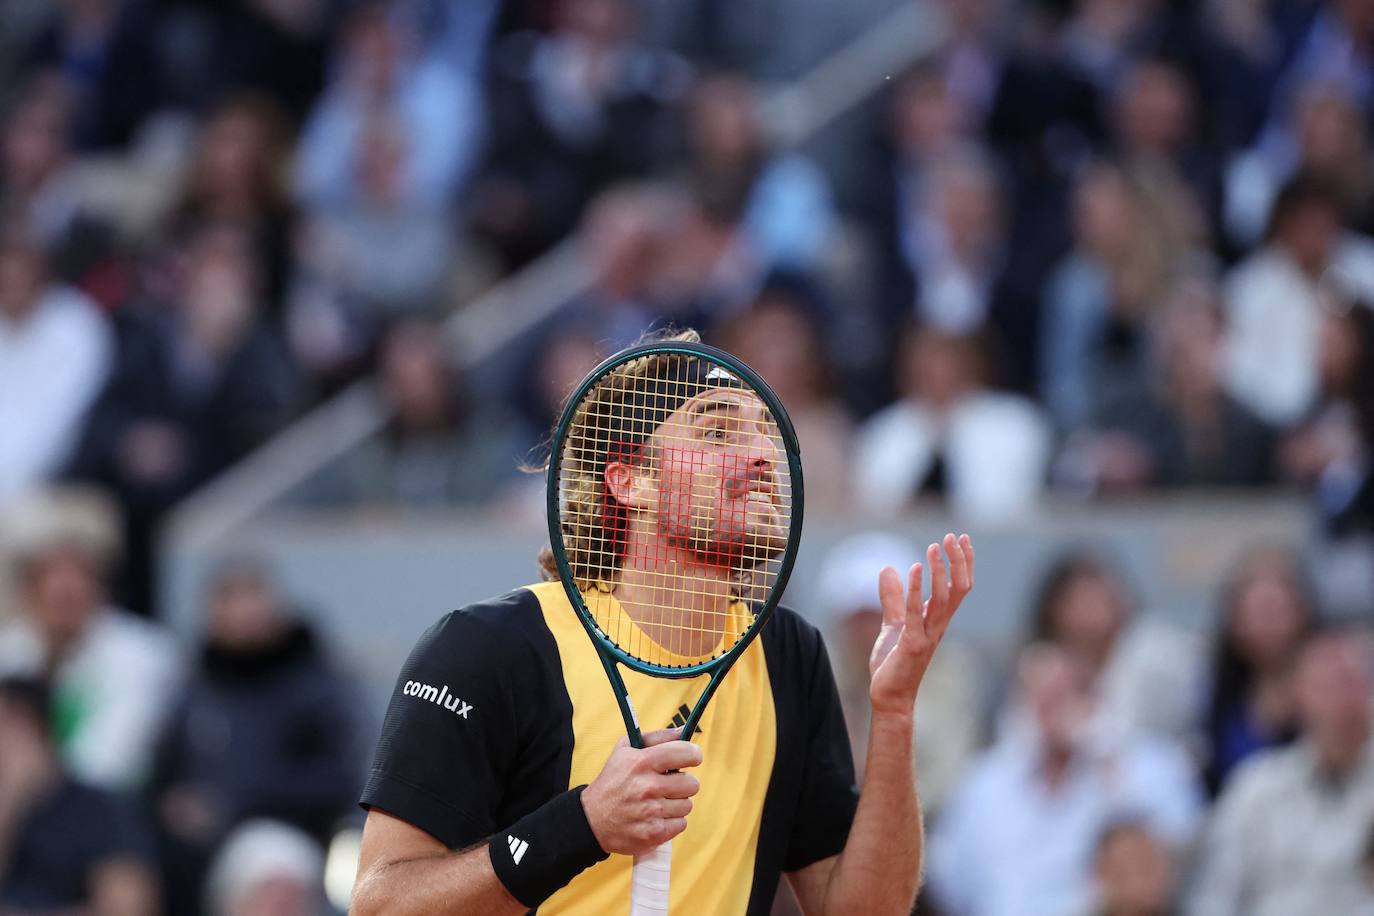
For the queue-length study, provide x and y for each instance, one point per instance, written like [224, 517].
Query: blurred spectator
[1330, 450]
[1102, 37]
[1159, 142]
[266, 868]
[1148, 673]
[238, 175]
[37, 188]
[1137, 873]
[779, 201]
[925, 125]
[64, 846]
[111, 673]
[368, 261]
[1289, 833]
[951, 436]
[571, 111]
[950, 239]
[1100, 297]
[386, 81]
[1267, 609]
[278, 48]
[1018, 835]
[1327, 137]
[947, 725]
[461, 33]
[267, 726]
[628, 229]
[559, 363]
[1334, 50]
[55, 352]
[779, 336]
[104, 51]
[201, 380]
[1273, 309]
[441, 447]
[1176, 426]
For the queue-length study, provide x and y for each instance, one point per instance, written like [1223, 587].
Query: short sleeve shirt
[503, 705]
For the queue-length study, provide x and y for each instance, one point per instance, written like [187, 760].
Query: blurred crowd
[1111, 764]
[1084, 249]
[1118, 765]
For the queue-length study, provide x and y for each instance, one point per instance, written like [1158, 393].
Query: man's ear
[630, 485]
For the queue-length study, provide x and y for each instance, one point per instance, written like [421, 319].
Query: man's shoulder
[792, 641]
[498, 625]
[788, 624]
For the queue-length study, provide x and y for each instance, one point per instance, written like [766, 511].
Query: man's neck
[650, 589]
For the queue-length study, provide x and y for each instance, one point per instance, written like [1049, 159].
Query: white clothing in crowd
[1009, 845]
[1273, 318]
[996, 450]
[53, 363]
[111, 692]
[1286, 841]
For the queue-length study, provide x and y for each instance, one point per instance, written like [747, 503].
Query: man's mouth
[760, 498]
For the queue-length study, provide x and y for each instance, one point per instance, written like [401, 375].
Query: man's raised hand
[912, 627]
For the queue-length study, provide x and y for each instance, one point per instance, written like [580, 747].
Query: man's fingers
[915, 596]
[676, 807]
[960, 565]
[890, 595]
[939, 576]
[661, 736]
[968, 551]
[672, 755]
[679, 785]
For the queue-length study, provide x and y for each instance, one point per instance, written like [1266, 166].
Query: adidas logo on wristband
[517, 848]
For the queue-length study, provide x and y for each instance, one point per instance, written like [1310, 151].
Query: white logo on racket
[517, 848]
[716, 372]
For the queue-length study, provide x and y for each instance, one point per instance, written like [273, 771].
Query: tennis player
[503, 781]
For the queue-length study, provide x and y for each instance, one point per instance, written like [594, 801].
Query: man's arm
[639, 800]
[879, 870]
[404, 870]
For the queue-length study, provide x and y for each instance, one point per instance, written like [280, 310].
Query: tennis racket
[675, 487]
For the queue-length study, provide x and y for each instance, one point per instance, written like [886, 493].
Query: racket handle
[649, 882]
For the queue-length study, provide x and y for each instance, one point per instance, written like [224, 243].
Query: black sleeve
[449, 736]
[829, 795]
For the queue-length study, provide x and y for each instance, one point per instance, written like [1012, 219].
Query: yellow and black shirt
[504, 705]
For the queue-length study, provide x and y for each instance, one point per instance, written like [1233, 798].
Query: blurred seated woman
[1267, 609]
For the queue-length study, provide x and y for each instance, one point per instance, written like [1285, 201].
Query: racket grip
[649, 882]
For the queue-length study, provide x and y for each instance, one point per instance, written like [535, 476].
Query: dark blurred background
[291, 289]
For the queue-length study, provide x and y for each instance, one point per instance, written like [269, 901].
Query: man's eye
[716, 433]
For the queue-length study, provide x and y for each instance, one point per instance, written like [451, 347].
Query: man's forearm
[453, 883]
[880, 868]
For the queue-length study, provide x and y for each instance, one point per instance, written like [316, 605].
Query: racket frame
[610, 654]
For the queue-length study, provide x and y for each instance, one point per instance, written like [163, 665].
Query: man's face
[716, 480]
[63, 592]
[1333, 685]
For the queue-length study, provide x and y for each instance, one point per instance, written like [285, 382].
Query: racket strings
[708, 507]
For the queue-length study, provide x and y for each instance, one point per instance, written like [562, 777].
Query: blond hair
[593, 522]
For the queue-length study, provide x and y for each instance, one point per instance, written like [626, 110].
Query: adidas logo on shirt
[517, 848]
[680, 718]
[437, 697]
